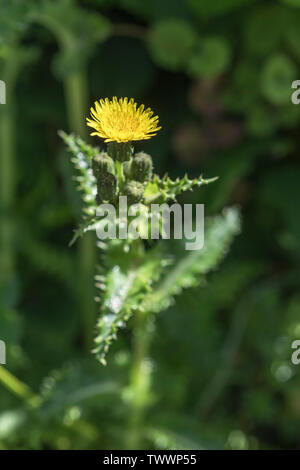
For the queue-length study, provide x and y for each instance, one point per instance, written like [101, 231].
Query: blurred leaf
[277, 76]
[77, 30]
[171, 41]
[73, 384]
[210, 58]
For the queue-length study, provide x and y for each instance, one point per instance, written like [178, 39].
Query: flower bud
[101, 164]
[120, 151]
[141, 167]
[127, 169]
[107, 188]
[134, 192]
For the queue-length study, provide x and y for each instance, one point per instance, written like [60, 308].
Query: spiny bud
[141, 167]
[101, 164]
[107, 188]
[134, 192]
[120, 151]
[127, 170]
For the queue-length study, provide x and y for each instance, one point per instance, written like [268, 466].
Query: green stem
[7, 194]
[7, 173]
[139, 381]
[120, 174]
[14, 385]
[76, 92]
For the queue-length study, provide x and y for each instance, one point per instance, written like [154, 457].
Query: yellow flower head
[121, 120]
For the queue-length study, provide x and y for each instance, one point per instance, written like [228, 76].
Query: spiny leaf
[164, 189]
[82, 155]
[74, 383]
[189, 268]
[88, 224]
[125, 284]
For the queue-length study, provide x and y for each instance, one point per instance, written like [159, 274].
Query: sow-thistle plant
[137, 277]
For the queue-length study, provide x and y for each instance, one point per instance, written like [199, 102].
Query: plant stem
[7, 196]
[120, 174]
[76, 92]
[7, 174]
[139, 381]
[17, 387]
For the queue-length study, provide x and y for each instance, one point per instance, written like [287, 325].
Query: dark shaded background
[219, 75]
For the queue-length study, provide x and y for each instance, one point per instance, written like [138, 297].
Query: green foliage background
[219, 75]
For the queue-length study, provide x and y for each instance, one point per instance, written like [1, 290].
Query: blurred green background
[219, 75]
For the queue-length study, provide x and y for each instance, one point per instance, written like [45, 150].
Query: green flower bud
[127, 170]
[134, 192]
[107, 188]
[141, 167]
[101, 164]
[120, 151]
